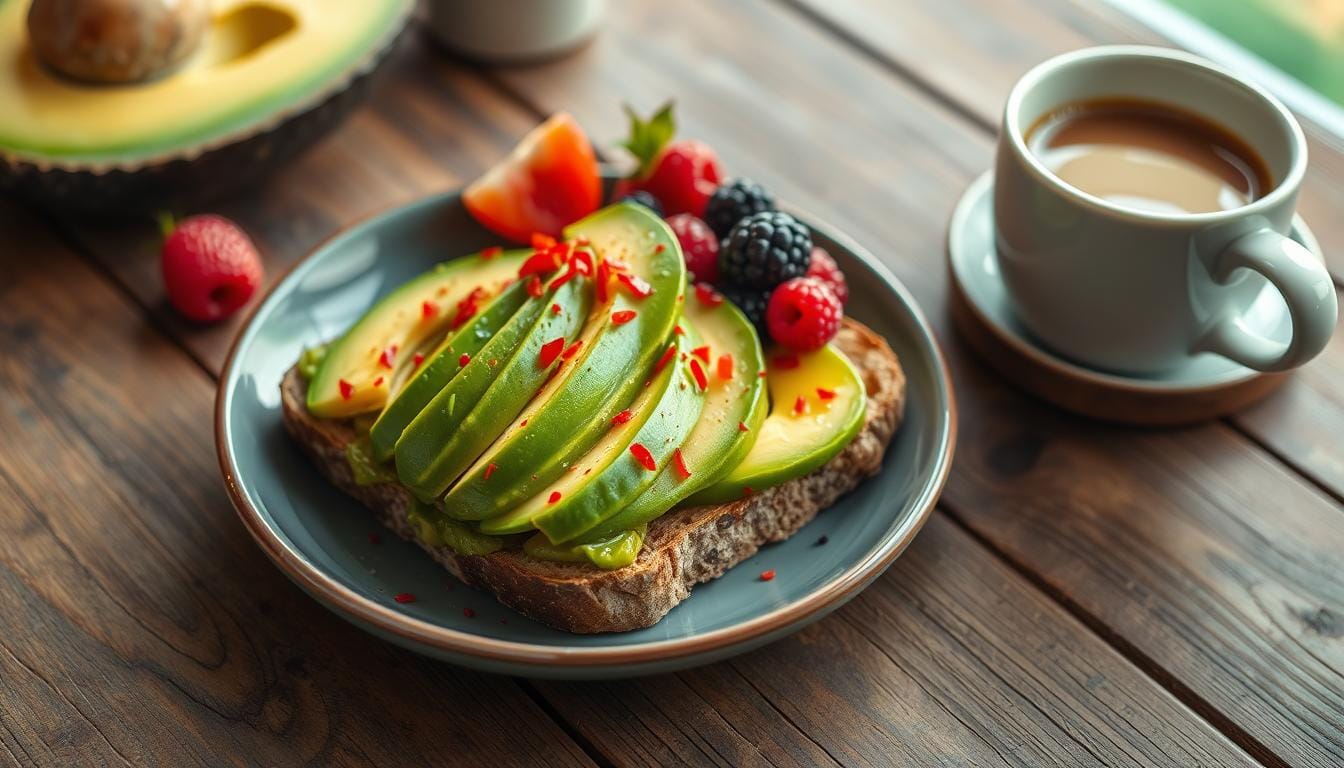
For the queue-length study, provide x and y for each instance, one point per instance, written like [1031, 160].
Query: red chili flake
[767, 575]
[523, 423]
[636, 284]
[534, 287]
[375, 539]
[583, 241]
[493, 362]
[541, 241]
[725, 367]
[417, 360]
[429, 309]
[742, 427]
[680, 463]
[799, 406]
[659, 248]
[554, 497]
[469, 613]
[549, 351]
[572, 350]
[760, 374]
[464, 359]
[582, 262]
[622, 417]
[785, 362]
[347, 389]
[603, 281]
[490, 470]
[492, 252]
[699, 373]
[825, 394]
[707, 295]
[467, 307]
[622, 317]
[746, 491]
[702, 353]
[555, 309]
[388, 357]
[665, 359]
[378, 382]
[539, 263]
[643, 456]
[677, 329]
[405, 597]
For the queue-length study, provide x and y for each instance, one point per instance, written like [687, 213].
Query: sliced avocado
[718, 443]
[570, 414]
[603, 480]
[441, 367]
[793, 443]
[256, 62]
[414, 314]
[615, 551]
[437, 531]
[477, 404]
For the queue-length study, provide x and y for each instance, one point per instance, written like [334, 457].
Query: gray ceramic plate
[321, 539]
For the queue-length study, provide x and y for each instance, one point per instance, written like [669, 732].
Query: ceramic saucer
[1205, 387]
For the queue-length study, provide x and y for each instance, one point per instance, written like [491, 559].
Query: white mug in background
[1138, 292]
[514, 30]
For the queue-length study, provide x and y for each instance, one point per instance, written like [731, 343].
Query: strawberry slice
[549, 180]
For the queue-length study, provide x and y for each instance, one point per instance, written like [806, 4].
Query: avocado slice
[718, 443]
[572, 413]
[477, 404]
[413, 315]
[441, 367]
[792, 444]
[603, 480]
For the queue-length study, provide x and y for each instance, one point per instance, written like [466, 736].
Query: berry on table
[680, 174]
[753, 303]
[698, 245]
[734, 202]
[824, 268]
[644, 198]
[765, 249]
[803, 314]
[210, 267]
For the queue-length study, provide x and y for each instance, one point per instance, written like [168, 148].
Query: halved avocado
[728, 426]
[267, 79]
[794, 441]
[573, 411]
[477, 405]
[443, 366]
[417, 313]
[611, 474]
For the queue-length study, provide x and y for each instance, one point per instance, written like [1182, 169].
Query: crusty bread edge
[683, 548]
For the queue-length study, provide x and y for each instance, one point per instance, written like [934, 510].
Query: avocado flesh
[442, 367]
[575, 410]
[604, 479]
[437, 531]
[399, 320]
[791, 445]
[478, 404]
[615, 551]
[238, 81]
[717, 444]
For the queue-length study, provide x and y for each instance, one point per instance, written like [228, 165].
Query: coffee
[1149, 156]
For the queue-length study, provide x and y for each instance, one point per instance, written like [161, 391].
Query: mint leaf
[648, 137]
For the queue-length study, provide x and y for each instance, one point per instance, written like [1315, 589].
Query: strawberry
[210, 267]
[680, 174]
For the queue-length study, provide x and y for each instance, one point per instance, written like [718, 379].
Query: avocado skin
[176, 181]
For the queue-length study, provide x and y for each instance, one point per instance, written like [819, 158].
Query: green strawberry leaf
[648, 137]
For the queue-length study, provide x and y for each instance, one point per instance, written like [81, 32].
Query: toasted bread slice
[683, 548]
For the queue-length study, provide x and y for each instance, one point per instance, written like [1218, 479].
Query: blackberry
[752, 302]
[734, 202]
[764, 250]
[645, 199]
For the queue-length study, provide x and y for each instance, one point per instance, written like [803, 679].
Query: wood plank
[949, 659]
[1172, 559]
[138, 621]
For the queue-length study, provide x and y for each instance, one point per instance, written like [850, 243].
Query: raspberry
[824, 268]
[765, 249]
[686, 175]
[645, 198]
[734, 202]
[699, 246]
[210, 268]
[803, 314]
[752, 302]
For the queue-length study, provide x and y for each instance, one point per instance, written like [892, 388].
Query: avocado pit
[115, 41]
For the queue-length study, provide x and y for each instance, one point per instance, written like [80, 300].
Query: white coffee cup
[1140, 292]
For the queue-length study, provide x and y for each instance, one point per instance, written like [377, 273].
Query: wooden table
[1085, 594]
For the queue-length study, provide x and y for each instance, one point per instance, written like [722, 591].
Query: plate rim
[368, 613]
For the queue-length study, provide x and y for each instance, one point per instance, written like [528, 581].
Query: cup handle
[1306, 287]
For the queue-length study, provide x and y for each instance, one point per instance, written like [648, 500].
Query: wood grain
[139, 624]
[1171, 558]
